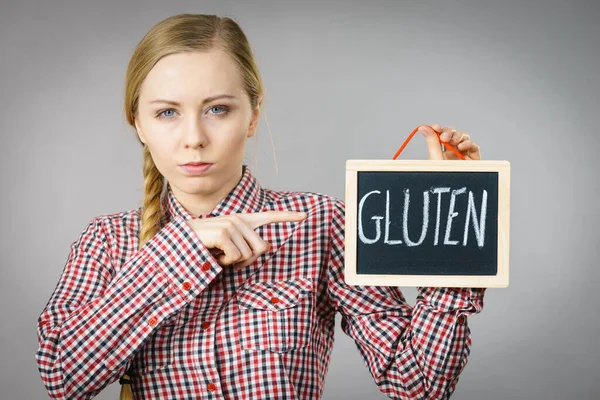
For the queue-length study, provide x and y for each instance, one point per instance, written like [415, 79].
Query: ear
[254, 121]
[139, 132]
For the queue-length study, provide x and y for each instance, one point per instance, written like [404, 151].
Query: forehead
[193, 76]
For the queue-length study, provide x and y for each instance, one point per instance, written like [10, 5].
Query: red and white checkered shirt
[187, 328]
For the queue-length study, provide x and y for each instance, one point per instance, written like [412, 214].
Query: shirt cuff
[465, 301]
[177, 251]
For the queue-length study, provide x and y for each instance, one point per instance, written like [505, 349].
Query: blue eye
[168, 113]
[219, 111]
[165, 114]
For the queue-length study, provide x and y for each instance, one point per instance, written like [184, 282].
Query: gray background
[344, 80]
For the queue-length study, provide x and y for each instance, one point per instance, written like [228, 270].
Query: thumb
[434, 147]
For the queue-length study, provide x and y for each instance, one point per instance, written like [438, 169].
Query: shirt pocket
[276, 316]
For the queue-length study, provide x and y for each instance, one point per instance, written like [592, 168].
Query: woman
[218, 287]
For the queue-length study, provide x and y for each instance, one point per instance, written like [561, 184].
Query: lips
[195, 164]
[195, 168]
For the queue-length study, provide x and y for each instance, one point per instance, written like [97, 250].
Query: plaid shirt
[187, 328]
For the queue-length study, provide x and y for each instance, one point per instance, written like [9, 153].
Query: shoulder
[309, 202]
[122, 218]
[119, 224]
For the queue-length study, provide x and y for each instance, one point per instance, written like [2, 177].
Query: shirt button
[212, 387]
[206, 266]
[187, 286]
[152, 321]
[461, 320]
[274, 300]
[205, 325]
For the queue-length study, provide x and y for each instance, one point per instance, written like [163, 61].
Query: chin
[199, 186]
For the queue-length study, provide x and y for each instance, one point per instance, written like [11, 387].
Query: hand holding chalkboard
[449, 135]
[443, 222]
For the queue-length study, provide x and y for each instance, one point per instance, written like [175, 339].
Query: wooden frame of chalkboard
[396, 243]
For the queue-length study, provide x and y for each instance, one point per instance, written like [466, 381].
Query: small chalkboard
[427, 223]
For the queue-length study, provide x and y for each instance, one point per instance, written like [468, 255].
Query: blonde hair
[177, 34]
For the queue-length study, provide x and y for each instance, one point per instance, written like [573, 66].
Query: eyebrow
[206, 100]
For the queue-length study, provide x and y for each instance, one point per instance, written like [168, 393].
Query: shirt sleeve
[411, 352]
[96, 319]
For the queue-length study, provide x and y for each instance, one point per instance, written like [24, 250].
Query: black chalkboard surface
[427, 223]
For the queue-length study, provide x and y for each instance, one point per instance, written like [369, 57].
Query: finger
[437, 128]
[215, 251]
[465, 146]
[268, 217]
[427, 130]
[447, 134]
[434, 147]
[231, 253]
[457, 137]
[224, 260]
[474, 153]
[470, 149]
[243, 264]
[256, 243]
[238, 239]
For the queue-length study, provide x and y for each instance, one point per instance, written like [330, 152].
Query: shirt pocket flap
[274, 295]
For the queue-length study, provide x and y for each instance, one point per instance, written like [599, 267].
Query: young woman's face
[193, 108]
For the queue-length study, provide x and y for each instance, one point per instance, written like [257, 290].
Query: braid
[152, 217]
[152, 211]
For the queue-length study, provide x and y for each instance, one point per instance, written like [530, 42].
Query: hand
[232, 239]
[458, 139]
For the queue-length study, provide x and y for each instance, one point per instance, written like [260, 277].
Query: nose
[194, 135]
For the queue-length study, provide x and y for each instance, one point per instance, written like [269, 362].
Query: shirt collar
[246, 197]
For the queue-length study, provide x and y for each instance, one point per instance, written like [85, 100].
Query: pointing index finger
[268, 217]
